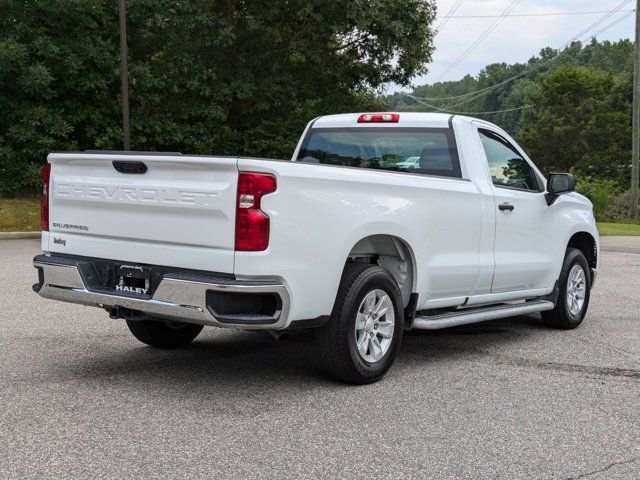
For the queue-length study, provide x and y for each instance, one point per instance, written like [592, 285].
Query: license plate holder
[133, 279]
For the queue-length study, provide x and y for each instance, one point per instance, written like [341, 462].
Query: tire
[161, 334]
[567, 314]
[337, 339]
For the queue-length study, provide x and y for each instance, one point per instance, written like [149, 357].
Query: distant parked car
[410, 162]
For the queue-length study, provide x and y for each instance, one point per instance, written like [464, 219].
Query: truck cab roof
[406, 119]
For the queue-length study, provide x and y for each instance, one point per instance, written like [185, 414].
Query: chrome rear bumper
[178, 297]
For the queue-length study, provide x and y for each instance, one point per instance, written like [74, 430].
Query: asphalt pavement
[80, 397]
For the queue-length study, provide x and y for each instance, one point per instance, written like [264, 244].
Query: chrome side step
[466, 317]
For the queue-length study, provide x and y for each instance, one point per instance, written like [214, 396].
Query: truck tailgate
[179, 212]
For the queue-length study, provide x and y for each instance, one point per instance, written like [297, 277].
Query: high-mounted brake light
[379, 118]
[44, 200]
[252, 224]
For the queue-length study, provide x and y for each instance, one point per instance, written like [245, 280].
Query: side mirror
[557, 184]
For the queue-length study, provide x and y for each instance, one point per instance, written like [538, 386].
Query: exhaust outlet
[279, 336]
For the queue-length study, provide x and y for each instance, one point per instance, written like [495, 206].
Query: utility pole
[124, 77]
[635, 162]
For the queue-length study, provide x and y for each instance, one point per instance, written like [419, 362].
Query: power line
[486, 90]
[479, 93]
[614, 23]
[451, 11]
[479, 40]
[468, 113]
[575, 37]
[548, 14]
[582, 33]
[602, 19]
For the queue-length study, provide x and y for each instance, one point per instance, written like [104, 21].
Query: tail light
[252, 224]
[44, 200]
[379, 118]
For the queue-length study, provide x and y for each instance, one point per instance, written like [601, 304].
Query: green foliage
[600, 192]
[58, 83]
[581, 122]
[613, 57]
[578, 108]
[610, 202]
[211, 77]
[620, 207]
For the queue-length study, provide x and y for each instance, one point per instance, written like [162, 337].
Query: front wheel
[161, 334]
[574, 294]
[362, 338]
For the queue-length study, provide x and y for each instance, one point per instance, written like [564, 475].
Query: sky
[515, 39]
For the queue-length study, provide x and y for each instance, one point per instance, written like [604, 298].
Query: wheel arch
[391, 253]
[586, 243]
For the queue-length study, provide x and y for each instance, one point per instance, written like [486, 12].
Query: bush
[601, 192]
[620, 207]
[18, 177]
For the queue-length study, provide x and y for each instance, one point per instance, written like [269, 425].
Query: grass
[619, 229]
[20, 214]
[23, 215]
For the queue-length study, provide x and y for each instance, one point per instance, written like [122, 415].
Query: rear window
[424, 151]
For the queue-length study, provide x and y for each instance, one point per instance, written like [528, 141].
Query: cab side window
[508, 168]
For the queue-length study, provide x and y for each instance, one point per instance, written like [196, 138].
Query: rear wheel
[163, 334]
[362, 338]
[574, 294]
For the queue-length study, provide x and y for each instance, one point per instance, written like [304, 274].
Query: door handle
[506, 207]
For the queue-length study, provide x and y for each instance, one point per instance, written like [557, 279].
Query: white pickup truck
[380, 223]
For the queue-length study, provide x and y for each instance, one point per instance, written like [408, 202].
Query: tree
[615, 58]
[58, 83]
[212, 77]
[581, 122]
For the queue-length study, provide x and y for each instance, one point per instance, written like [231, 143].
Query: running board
[466, 317]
